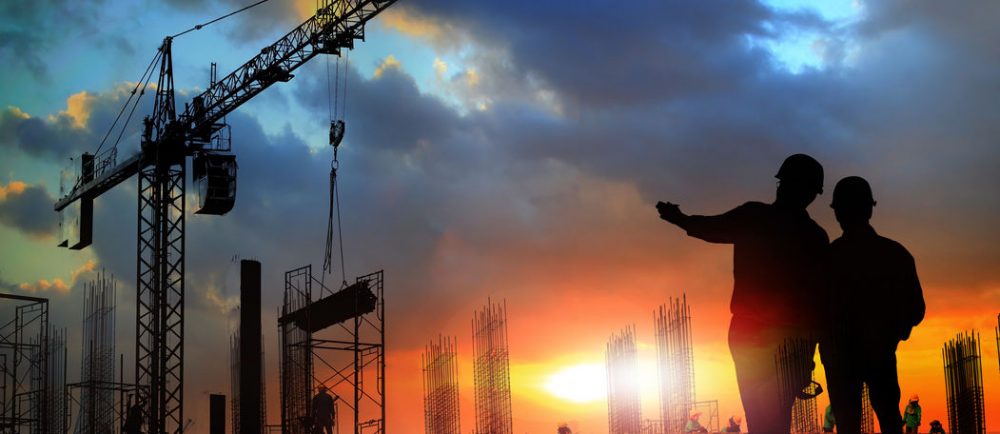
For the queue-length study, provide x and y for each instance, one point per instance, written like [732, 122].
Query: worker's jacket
[777, 260]
[875, 293]
[911, 416]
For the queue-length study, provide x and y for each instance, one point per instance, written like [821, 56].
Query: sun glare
[580, 384]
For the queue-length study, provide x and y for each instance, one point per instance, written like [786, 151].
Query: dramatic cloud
[27, 208]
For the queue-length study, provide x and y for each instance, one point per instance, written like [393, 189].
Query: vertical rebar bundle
[795, 373]
[24, 341]
[441, 405]
[622, 360]
[97, 372]
[997, 332]
[963, 374]
[675, 363]
[491, 367]
[234, 380]
[55, 397]
[867, 413]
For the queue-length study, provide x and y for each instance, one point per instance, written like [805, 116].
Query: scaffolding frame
[491, 370]
[440, 374]
[963, 374]
[24, 344]
[624, 411]
[675, 363]
[361, 337]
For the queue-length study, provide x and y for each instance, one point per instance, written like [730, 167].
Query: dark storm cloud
[30, 211]
[31, 28]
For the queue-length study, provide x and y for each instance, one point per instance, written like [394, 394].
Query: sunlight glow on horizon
[582, 383]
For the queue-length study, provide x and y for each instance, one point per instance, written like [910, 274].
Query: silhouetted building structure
[216, 414]
[351, 351]
[624, 411]
[963, 374]
[101, 392]
[675, 363]
[440, 369]
[491, 370]
[24, 365]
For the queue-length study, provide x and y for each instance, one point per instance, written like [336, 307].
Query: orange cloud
[79, 106]
[57, 284]
[389, 62]
[13, 188]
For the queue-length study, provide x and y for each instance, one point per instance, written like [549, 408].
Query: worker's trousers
[852, 362]
[767, 400]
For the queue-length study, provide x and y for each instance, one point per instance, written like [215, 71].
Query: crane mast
[168, 139]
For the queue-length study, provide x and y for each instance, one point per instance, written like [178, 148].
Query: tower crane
[169, 140]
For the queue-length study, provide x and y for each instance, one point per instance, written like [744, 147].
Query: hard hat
[802, 168]
[694, 413]
[914, 398]
[737, 419]
[852, 190]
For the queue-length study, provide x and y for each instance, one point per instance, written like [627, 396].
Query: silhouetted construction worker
[778, 253]
[911, 415]
[734, 425]
[563, 429]
[323, 411]
[133, 418]
[936, 427]
[875, 301]
[829, 420]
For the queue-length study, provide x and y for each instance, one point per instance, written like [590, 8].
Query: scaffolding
[624, 412]
[491, 370]
[24, 342]
[343, 333]
[440, 369]
[675, 363]
[794, 365]
[867, 413]
[963, 374]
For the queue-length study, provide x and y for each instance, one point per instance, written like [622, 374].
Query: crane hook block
[336, 132]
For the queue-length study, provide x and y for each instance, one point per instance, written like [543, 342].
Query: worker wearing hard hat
[693, 426]
[778, 255]
[911, 415]
[875, 301]
[734, 425]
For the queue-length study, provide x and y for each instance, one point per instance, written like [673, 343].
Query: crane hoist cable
[139, 87]
[337, 128]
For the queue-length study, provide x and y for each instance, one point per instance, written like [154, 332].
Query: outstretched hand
[670, 212]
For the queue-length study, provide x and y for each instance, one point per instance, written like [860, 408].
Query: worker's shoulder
[752, 208]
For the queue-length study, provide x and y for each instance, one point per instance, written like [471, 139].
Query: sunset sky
[514, 150]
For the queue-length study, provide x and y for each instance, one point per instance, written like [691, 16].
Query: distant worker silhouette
[563, 429]
[734, 425]
[875, 301]
[324, 412]
[778, 252]
[133, 417]
[911, 415]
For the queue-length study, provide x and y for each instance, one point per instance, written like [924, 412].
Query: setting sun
[581, 383]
